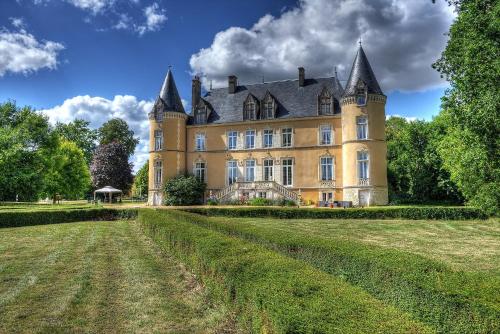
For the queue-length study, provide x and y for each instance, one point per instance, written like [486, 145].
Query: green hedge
[447, 213]
[448, 300]
[271, 292]
[40, 217]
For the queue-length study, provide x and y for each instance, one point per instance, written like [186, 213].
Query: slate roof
[170, 99]
[361, 69]
[292, 101]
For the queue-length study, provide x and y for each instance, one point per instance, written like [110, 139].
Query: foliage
[212, 201]
[79, 132]
[110, 167]
[184, 190]
[448, 213]
[471, 107]
[415, 172]
[140, 186]
[67, 172]
[258, 201]
[117, 130]
[273, 293]
[450, 301]
[42, 217]
[25, 138]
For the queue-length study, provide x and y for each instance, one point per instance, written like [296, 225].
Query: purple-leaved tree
[110, 167]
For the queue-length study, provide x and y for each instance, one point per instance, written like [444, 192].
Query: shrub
[42, 217]
[448, 300]
[184, 190]
[212, 201]
[258, 201]
[272, 293]
[448, 213]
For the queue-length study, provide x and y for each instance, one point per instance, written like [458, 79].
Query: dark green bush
[42, 217]
[448, 300]
[258, 201]
[184, 190]
[271, 293]
[447, 213]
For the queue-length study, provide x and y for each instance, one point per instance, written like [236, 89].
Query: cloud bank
[401, 38]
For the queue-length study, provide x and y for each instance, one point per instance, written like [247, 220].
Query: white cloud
[401, 38]
[98, 110]
[408, 119]
[21, 52]
[155, 17]
[18, 22]
[94, 6]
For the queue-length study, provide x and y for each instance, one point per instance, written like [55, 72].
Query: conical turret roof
[361, 70]
[169, 94]
[337, 85]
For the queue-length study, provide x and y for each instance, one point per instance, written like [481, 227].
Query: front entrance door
[364, 197]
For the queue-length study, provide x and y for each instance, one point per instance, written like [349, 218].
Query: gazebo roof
[108, 189]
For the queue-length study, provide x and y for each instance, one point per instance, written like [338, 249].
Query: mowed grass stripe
[107, 278]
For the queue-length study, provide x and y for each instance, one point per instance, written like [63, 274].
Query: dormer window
[250, 108]
[361, 93]
[201, 116]
[268, 107]
[325, 103]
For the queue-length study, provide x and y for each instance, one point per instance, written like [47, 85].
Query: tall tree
[67, 173]
[25, 138]
[110, 167]
[79, 132]
[140, 186]
[471, 107]
[117, 130]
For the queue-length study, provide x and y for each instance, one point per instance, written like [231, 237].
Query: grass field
[100, 277]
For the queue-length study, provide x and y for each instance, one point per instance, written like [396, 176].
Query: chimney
[195, 92]
[233, 83]
[302, 76]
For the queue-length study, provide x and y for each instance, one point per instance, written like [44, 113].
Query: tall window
[200, 170]
[268, 170]
[250, 170]
[268, 109]
[157, 173]
[232, 140]
[326, 168]
[286, 174]
[361, 99]
[158, 140]
[325, 135]
[363, 161]
[232, 171]
[159, 116]
[200, 142]
[325, 105]
[201, 116]
[268, 138]
[250, 139]
[250, 110]
[362, 127]
[286, 137]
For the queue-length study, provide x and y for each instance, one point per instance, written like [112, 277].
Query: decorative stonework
[376, 196]
[371, 98]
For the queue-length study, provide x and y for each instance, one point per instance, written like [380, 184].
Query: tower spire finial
[360, 41]
[335, 70]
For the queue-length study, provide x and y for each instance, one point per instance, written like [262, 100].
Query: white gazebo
[107, 190]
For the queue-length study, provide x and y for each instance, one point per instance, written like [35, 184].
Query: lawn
[97, 277]
[465, 245]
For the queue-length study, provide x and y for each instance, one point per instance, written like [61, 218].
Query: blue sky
[96, 59]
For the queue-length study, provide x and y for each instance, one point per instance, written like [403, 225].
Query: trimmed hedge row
[450, 301]
[271, 292]
[445, 213]
[41, 217]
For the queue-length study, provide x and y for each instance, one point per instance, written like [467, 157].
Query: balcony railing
[364, 182]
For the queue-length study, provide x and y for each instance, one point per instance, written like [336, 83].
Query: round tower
[167, 139]
[364, 150]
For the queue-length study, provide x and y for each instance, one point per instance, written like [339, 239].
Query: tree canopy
[140, 185]
[117, 130]
[81, 134]
[110, 167]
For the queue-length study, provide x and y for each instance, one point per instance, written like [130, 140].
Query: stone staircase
[224, 193]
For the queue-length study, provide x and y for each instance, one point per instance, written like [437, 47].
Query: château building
[307, 139]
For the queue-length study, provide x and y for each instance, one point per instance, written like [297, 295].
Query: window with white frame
[158, 140]
[250, 139]
[232, 171]
[157, 173]
[201, 116]
[286, 137]
[363, 163]
[159, 116]
[250, 170]
[268, 169]
[268, 138]
[200, 142]
[200, 171]
[326, 135]
[287, 173]
[325, 105]
[362, 127]
[268, 109]
[232, 140]
[326, 164]
[250, 109]
[327, 196]
[262, 194]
